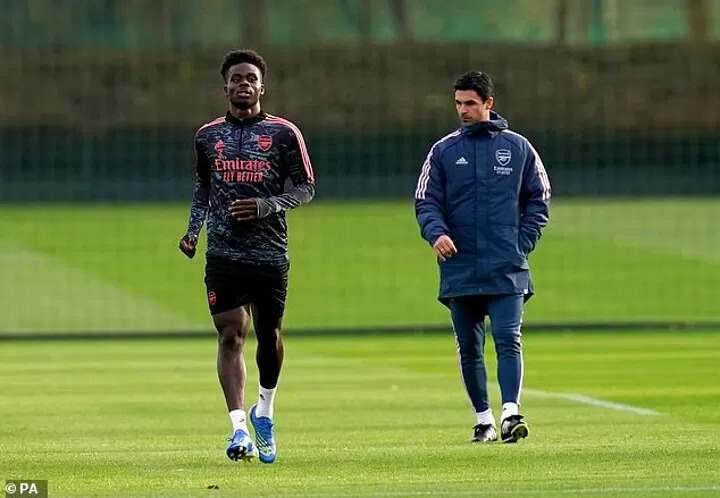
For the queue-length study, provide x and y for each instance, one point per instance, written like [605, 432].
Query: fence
[100, 101]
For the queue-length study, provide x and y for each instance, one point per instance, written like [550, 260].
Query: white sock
[266, 402]
[237, 417]
[486, 417]
[508, 409]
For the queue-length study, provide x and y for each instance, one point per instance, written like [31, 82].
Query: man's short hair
[238, 57]
[478, 81]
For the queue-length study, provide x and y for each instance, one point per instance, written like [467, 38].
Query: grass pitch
[611, 414]
[116, 268]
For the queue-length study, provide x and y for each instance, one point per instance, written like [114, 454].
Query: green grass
[379, 416]
[95, 267]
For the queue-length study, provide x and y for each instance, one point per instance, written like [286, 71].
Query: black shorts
[231, 284]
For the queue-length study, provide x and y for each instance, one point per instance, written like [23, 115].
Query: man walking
[243, 161]
[481, 201]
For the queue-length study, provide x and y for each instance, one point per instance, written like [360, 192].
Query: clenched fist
[188, 245]
[444, 247]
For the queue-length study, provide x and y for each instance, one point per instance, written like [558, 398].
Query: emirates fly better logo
[237, 170]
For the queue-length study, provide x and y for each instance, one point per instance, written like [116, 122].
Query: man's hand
[245, 209]
[188, 245]
[444, 247]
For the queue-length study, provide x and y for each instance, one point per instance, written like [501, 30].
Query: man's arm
[430, 200]
[534, 201]
[297, 161]
[200, 203]
[295, 157]
[430, 208]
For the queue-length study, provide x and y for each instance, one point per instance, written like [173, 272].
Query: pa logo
[503, 156]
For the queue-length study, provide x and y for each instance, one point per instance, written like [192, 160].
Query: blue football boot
[241, 447]
[264, 436]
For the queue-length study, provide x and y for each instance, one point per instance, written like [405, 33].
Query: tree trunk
[561, 16]
[365, 21]
[253, 22]
[696, 12]
[401, 16]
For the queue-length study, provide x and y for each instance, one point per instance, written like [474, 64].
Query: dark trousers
[468, 317]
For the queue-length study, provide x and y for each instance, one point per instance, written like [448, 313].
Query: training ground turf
[91, 267]
[611, 414]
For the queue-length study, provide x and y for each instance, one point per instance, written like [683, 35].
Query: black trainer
[484, 433]
[513, 428]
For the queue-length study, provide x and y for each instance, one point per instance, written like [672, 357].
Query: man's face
[244, 84]
[471, 108]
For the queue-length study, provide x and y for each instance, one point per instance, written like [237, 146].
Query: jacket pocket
[523, 245]
[508, 244]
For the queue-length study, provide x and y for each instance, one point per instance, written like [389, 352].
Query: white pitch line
[516, 492]
[588, 400]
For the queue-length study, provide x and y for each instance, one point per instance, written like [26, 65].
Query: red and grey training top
[251, 158]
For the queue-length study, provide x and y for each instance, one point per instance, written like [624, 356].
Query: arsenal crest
[212, 298]
[503, 156]
[264, 143]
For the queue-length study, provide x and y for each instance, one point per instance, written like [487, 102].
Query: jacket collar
[495, 125]
[255, 119]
